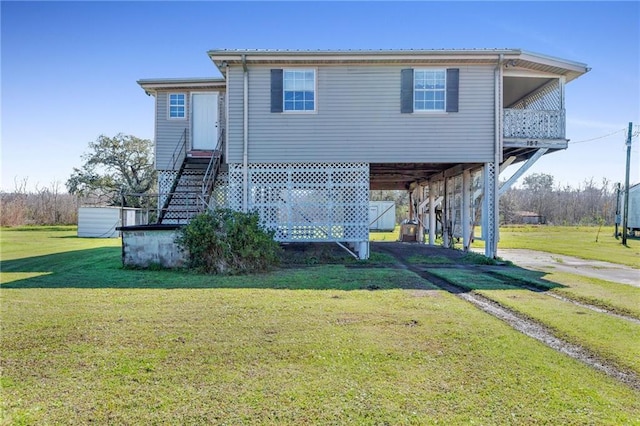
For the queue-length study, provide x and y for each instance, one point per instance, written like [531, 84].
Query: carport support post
[466, 209]
[419, 215]
[490, 210]
[432, 213]
[363, 250]
[445, 214]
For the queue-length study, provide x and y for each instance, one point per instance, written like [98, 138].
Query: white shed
[633, 220]
[101, 222]
[382, 215]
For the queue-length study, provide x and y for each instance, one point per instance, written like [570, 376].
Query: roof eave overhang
[570, 69]
[152, 86]
[534, 61]
[225, 57]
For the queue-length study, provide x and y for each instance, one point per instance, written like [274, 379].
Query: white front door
[204, 120]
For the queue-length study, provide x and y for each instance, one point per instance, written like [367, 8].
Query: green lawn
[611, 338]
[84, 340]
[609, 295]
[578, 241]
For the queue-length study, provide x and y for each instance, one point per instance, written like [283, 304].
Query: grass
[385, 235]
[578, 241]
[612, 338]
[84, 340]
[430, 260]
[609, 295]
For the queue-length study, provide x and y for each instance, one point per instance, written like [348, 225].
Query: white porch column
[419, 216]
[446, 214]
[363, 250]
[466, 210]
[490, 206]
[432, 213]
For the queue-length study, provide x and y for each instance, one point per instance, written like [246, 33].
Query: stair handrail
[211, 173]
[179, 154]
[180, 151]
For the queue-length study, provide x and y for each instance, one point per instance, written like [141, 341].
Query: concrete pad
[542, 261]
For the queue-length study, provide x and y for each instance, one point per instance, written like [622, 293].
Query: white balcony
[533, 124]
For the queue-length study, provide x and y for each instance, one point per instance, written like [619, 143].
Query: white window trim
[430, 111]
[315, 91]
[186, 115]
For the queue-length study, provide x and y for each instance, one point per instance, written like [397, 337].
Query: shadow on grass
[495, 278]
[466, 270]
[315, 268]
[102, 268]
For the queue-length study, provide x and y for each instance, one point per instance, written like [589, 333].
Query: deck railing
[530, 123]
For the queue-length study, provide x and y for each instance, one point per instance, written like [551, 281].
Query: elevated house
[302, 136]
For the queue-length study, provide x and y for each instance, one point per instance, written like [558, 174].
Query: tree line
[591, 203]
[113, 166]
[124, 164]
[49, 205]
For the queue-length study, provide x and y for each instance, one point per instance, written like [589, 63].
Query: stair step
[198, 154]
[185, 202]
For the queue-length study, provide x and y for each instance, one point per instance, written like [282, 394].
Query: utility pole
[625, 212]
[617, 220]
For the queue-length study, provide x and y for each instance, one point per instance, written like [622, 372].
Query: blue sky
[69, 69]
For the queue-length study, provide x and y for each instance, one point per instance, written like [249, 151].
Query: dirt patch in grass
[425, 293]
[295, 255]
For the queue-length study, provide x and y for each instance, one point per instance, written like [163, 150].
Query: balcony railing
[530, 123]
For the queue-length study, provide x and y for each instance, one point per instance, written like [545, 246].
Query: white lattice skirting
[302, 202]
[165, 180]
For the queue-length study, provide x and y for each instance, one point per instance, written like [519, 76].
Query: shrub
[228, 242]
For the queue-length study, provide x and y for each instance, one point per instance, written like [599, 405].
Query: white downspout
[226, 114]
[498, 121]
[245, 137]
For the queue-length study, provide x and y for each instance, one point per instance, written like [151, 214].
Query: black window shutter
[406, 91]
[276, 90]
[453, 81]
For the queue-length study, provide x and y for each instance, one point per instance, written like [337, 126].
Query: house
[530, 218]
[302, 136]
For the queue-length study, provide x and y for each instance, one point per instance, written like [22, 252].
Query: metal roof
[513, 57]
[517, 57]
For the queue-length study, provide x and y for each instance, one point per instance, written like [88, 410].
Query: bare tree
[588, 204]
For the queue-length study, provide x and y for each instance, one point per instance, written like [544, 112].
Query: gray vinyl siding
[358, 119]
[168, 131]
